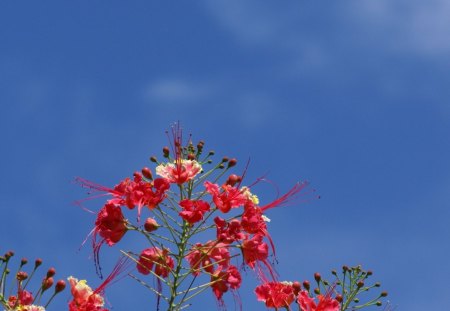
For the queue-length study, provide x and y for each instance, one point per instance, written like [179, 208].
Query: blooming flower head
[325, 303]
[276, 294]
[254, 249]
[228, 232]
[131, 193]
[158, 258]
[208, 255]
[84, 298]
[22, 300]
[230, 197]
[223, 279]
[193, 210]
[110, 223]
[179, 172]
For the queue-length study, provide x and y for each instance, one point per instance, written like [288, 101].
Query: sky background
[353, 96]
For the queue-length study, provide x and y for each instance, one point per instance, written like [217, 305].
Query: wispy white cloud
[396, 26]
[407, 26]
[175, 91]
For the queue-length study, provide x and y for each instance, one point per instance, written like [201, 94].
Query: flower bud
[306, 285]
[317, 291]
[51, 272]
[232, 162]
[191, 156]
[153, 159]
[383, 294]
[379, 303]
[225, 159]
[200, 145]
[339, 298]
[166, 152]
[47, 283]
[60, 286]
[21, 275]
[317, 276]
[9, 254]
[296, 287]
[232, 180]
[360, 284]
[37, 262]
[147, 173]
[150, 225]
[212, 152]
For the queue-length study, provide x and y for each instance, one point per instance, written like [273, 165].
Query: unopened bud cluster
[15, 294]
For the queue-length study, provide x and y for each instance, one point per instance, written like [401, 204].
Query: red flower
[254, 250]
[179, 172]
[255, 253]
[193, 211]
[110, 224]
[228, 232]
[326, 303]
[86, 299]
[225, 279]
[252, 219]
[155, 257]
[207, 256]
[231, 197]
[132, 193]
[276, 294]
[24, 298]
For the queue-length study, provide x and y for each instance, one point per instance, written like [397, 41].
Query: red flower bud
[147, 173]
[317, 277]
[47, 283]
[60, 286]
[37, 262]
[232, 180]
[306, 285]
[297, 287]
[9, 254]
[51, 272]
[232, 162]
[21, 275]
[151, 225]
[166, 152]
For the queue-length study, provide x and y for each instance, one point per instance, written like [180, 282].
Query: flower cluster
[23, 299]
[190, 197]
[341, 294]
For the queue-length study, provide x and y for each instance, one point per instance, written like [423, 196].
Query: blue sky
[352, 96]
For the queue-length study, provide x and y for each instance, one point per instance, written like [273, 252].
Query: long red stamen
[284, 199]
[118, 269]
